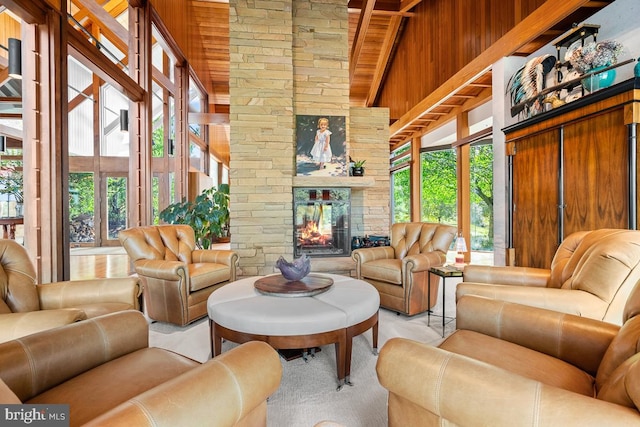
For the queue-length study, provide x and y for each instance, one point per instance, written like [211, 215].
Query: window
[439, 190]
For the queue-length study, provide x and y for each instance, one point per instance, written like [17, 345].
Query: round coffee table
[239, 313]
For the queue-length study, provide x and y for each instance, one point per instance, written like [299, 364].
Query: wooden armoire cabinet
[573, 168]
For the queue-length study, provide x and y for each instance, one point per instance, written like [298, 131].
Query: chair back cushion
[18, 292]
[172, 242]
[412, 238]
[605, 263]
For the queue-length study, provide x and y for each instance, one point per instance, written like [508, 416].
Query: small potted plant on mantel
[358, 168]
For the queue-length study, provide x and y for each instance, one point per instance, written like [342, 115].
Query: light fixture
[15, 58]
[461, 248]
[3, 143]
[124, 120]
[172, 147]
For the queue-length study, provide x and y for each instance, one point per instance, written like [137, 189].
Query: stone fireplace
[322, 222]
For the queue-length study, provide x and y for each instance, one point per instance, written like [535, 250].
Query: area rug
[308, 390]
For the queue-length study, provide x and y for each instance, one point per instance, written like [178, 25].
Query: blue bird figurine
[636, 69]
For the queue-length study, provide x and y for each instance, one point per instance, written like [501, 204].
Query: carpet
[307, 393]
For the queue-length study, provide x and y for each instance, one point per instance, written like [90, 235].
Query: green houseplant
[358, 168]
[208, 215]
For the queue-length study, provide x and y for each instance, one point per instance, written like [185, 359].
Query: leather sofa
[27, 307]
[591, 275]
[105, 371]
[400, 272]
[177, 277]
[514, 365]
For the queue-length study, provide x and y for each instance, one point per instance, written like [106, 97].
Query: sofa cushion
[520, 360]
[384, 270]
[624, 384]
[110, 384]
[204, 275]
[100, 309]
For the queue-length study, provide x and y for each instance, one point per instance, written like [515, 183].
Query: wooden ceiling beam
[361, 33]
[383, 59]
[30, 11]
[532, 26]
[109, 26]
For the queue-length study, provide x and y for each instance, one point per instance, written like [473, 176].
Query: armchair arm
[426, 382]
[571, 301]
[71, 294]
[230, 389]
[35, 363]
[160, 269]
[577, 340]
[16, 325]
[363, 255]
[422, 262]
[524, 276]
[225, 257]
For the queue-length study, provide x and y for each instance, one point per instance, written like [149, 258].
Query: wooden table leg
[216, 340]
[341, 357]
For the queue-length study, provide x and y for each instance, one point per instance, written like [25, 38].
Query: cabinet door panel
[596, 173]
[535, 196]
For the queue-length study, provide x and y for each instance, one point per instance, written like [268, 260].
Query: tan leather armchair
[514, 365]
[27, 307]
[177, 278]
[111, 377]
[591, 275]
[400, 272]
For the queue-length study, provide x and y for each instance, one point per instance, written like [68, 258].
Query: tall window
[400, 184]
[481, 161]
[439, 186]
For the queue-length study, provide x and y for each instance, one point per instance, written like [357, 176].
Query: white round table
[239, 313]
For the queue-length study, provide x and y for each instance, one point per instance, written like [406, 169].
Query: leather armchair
[400, 272]
[514, 365]
[177, 278]
[591, 275]
[27, 307]
[111, 377]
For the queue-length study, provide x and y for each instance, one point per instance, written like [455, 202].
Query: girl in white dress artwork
[321, 151]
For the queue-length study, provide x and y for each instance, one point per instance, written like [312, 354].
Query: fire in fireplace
[321, 221]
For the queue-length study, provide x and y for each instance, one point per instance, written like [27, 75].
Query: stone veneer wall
[290, 58]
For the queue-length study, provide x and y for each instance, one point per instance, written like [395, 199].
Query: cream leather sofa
[177, 277]
[400, 272]
[27, 307]
[591, 275]
[107, 373]
[514, 365]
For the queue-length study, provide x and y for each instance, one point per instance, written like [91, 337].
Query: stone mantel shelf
[332, 181]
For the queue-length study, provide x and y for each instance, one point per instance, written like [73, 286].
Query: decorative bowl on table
[295, 270]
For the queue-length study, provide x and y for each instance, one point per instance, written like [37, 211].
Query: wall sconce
[3, 143]
[124, 120]
[15, 58]
[461, 248]
[172, 147]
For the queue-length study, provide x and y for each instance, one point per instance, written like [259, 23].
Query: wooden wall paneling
[535, 196]
[596, 175]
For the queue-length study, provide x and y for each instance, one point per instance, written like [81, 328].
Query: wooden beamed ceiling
[375, 28]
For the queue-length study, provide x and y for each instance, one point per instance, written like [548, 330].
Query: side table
[445, 272]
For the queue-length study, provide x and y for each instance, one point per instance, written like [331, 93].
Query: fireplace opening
[322, 222]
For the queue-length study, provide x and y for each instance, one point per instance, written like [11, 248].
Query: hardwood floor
[99, 266]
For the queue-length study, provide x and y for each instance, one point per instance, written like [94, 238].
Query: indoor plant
[208, 215]
[358, 168]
